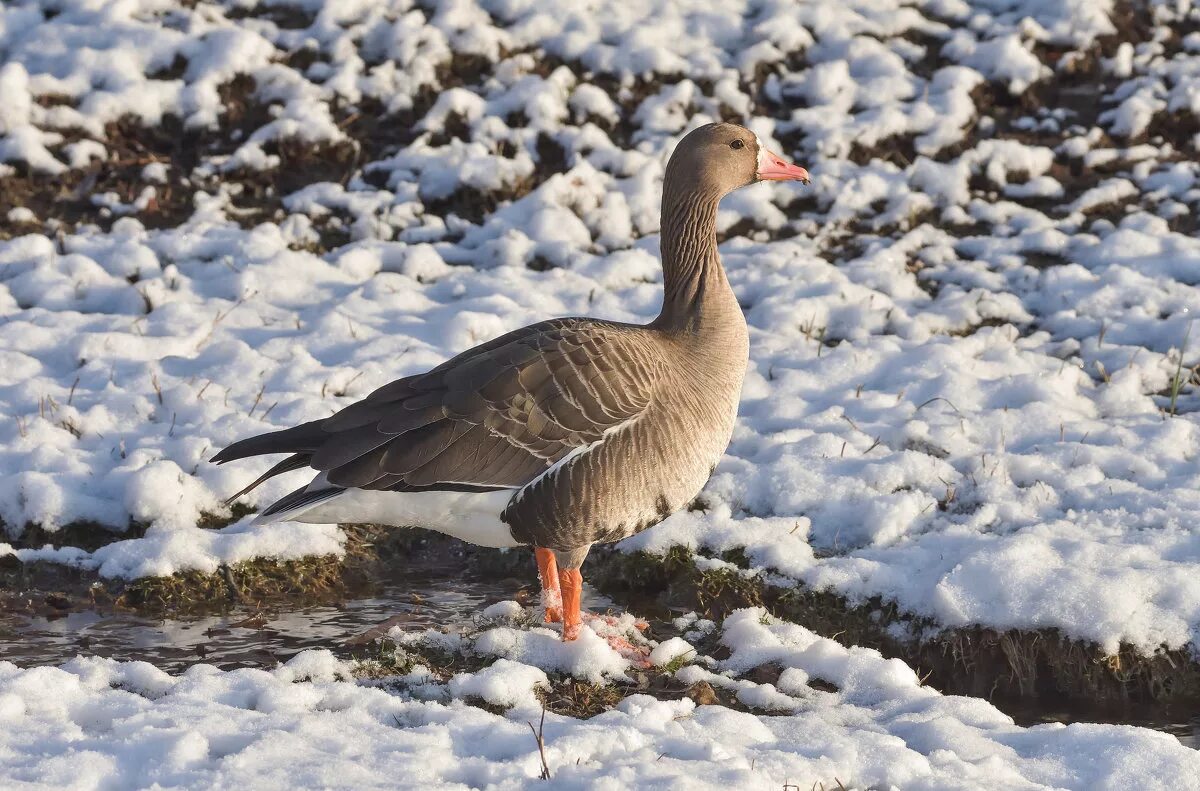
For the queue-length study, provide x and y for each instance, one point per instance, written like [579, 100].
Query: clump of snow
[503, 611]
[502, 683]
[314, 665]
[669, 650]
[590, 657]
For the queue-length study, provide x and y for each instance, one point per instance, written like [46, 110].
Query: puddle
[255, 636]
[246, 636]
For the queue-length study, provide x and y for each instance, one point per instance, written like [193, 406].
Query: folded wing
[495, 416]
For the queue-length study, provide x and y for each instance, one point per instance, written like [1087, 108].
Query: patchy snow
[97, 723]
[962, 351]
[965, 337]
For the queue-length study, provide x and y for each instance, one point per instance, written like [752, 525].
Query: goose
[562, 434]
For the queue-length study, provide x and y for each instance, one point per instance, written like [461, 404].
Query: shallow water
[246, 636]
[1183, 724]
[249, 636]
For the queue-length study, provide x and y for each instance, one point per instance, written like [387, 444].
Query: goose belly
[471, 516]
[634, 479]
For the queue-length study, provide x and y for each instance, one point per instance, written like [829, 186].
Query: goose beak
[772, 167]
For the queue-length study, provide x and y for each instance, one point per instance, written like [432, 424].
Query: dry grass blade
[541, 743]
[939, 398]
[67, 424]
[257, 400]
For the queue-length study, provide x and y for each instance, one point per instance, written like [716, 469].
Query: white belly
[470, 516]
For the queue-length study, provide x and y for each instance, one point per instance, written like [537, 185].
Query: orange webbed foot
[638, 655]
[570, 592]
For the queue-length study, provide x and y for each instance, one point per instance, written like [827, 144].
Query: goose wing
[495, 416]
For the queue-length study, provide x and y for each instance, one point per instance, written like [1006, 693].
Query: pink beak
[776, 168]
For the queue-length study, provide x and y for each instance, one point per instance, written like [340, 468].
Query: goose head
[718, 158]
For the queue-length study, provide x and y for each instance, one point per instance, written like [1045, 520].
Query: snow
[503, 683]
[94, 723]
[964, 339]
[161, 552]
[669, 650]
[505, 633]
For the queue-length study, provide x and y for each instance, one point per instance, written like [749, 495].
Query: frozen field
[973, 391]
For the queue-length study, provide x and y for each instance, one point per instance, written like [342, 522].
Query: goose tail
[295, 504]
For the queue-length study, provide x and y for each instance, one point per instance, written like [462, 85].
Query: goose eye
[736, 144]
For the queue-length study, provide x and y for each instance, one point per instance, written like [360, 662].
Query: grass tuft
[192, 591]
[1177, 380]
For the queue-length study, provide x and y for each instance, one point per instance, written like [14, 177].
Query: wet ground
[264, 635]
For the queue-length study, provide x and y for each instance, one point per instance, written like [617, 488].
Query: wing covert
[497, 415]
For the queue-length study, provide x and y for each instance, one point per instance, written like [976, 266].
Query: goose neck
[692, 273]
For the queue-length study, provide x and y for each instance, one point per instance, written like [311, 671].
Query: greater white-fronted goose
[564, 433]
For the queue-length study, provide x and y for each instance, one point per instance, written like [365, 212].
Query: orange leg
[551, 595]
[571, 584]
